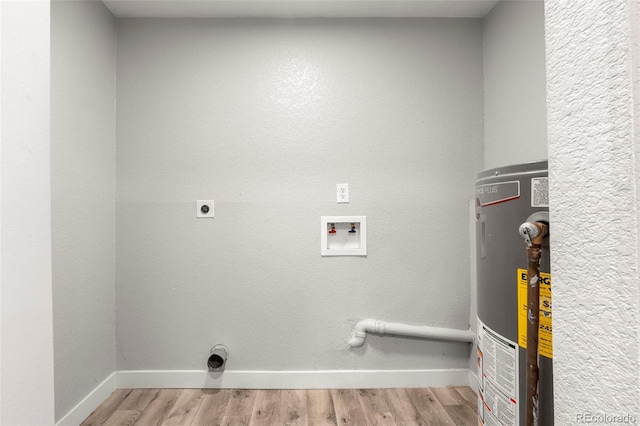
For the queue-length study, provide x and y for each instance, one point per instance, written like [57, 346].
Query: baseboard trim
[90, 402]
[335, 379]
[473, 380]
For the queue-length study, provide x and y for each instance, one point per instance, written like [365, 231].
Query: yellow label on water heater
[545, 346]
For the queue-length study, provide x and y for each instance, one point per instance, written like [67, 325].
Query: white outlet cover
[209, 203]
[342, 193]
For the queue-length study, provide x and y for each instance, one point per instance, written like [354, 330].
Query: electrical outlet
[205, 208]
[342, 192]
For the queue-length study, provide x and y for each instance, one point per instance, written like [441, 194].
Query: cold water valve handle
[533, 233]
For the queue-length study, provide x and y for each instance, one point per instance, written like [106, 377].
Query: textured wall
[26, 336]
[515, 120]
[83, 65]
[265, 117]
[593, 207]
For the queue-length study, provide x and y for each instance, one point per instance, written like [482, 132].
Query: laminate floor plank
[449, 396]
[293, 407]
[240, 408]
[123, 418]
[403, 410]
[348, 410]
[469, 395]
[213, 407]
[462, 414]
[320, 411]
[159, 407]
[185, 409]
[236, 421]
[106, 409]
[432, 412]
[266, 409]
[138, 399]
[375, 407]
[450, 406]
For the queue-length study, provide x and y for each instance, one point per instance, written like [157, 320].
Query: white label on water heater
[497, 378]
[540, 192]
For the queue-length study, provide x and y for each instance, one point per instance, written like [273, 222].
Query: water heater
[506, 197]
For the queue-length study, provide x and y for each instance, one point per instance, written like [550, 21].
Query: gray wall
[515, 120]
[265, 117]
[83, 55]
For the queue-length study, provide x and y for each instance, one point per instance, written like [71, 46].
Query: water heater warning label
[545, 340]
[497, 378]
[540, 192]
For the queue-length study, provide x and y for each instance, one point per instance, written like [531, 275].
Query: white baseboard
[473, 380]
[90, 402]
[334, 379]
[330, 379]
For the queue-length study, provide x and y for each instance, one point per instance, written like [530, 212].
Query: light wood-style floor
[359, 407]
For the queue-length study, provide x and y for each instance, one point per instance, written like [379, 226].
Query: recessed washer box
[343, 235]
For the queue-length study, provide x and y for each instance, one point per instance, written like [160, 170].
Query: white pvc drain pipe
[398, 329]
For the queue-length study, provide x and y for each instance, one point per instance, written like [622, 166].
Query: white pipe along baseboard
[397, 329]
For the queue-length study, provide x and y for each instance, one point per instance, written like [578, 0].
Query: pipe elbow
[357, 339]
[360, 332]
[366, 325]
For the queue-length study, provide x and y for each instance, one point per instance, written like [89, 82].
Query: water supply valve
[533, 232]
